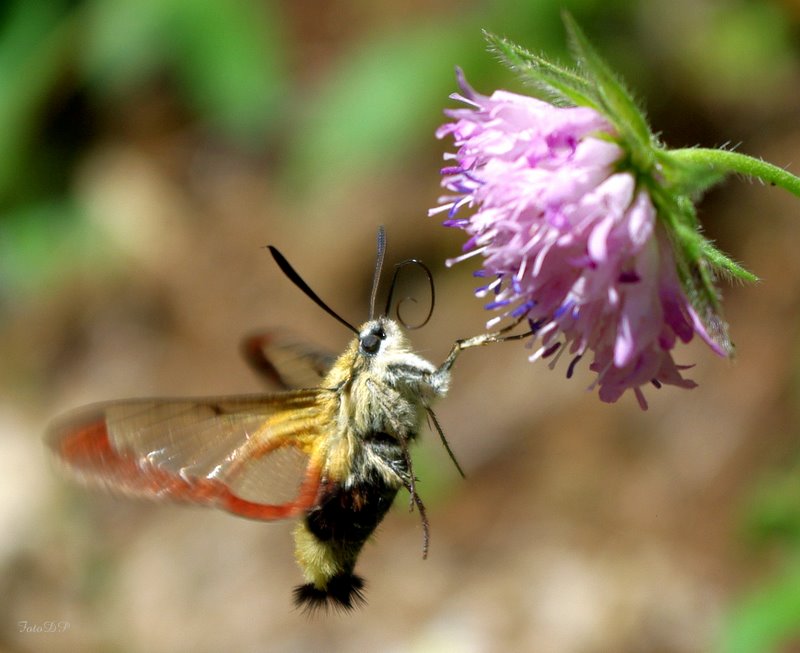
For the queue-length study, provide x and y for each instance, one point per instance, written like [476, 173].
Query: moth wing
[286, 361]
[255, 456]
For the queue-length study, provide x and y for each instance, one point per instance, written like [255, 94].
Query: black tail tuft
[343, 593]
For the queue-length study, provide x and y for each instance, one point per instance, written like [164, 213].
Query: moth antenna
[378, 269]
[411, 486]
[446, 445]
[297, 280]
[429, 274]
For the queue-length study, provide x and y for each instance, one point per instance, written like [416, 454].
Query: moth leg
[480, 341]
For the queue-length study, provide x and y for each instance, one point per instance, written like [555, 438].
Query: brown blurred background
[149, 149]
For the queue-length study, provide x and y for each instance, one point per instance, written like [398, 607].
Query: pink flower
[568, 238]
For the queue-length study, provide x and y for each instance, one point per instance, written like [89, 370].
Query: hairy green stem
[726, 161]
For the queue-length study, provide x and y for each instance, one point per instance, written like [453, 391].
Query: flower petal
[570, 241]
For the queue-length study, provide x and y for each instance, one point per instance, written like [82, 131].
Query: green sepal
[695, 270]
[686, 179]
[617, 103]
[592, 85]
[725, 265]
[556, 84]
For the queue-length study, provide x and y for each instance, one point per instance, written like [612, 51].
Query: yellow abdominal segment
[316, 559]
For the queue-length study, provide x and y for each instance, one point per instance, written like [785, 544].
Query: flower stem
[725, 161]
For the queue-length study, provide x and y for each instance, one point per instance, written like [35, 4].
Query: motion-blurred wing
[258, 456]
[286, 361]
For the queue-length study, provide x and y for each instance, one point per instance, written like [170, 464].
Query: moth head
[379, 337]
[372, 337]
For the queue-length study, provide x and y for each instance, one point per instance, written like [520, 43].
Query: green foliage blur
[768, 617]
[69, 68]
[66, 66]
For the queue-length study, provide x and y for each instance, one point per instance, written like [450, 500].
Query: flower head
[569, 237]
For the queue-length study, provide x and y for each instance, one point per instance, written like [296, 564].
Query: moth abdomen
[347, 513]
[343, 592]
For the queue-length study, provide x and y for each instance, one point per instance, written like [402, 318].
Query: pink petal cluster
[568, 242]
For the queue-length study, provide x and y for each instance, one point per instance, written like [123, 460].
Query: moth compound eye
[371, 342]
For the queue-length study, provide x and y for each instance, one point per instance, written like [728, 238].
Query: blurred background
[149, 149]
